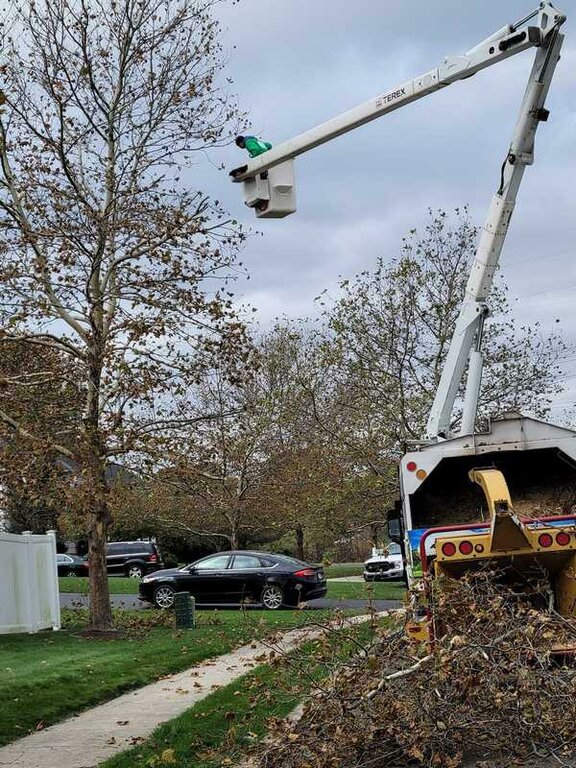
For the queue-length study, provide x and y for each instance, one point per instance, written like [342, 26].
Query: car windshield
[389, 549]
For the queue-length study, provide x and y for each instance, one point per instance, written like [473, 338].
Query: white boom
[269, 183]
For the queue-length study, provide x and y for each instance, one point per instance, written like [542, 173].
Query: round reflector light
[465, 547]
[479, 547]
[545, 540]
[421, 474]
[563, 538]
[448, 549]
[411, 466]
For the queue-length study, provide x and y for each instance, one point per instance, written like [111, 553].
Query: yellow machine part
[511, 542]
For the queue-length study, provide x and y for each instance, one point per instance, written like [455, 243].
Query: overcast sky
[296, 63]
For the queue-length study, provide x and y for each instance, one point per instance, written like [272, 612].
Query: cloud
[299, 62]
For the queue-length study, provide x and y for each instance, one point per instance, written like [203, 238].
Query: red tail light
[465, 547]
[563, 538]
[545, 540]
[448, 549]
[152, 558]
[305, 572]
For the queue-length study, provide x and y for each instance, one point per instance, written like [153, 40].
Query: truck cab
[385, 564]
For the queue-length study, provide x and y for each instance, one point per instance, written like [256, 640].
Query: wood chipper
[505, 499]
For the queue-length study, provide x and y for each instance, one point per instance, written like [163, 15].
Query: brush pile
[498, 690]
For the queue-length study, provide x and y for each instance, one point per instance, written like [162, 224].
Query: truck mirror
[272, 194]
[394, 524]
[394, 531]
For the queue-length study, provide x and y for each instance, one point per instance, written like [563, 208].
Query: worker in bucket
[253, 145]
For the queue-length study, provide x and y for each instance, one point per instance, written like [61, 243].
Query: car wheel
[164, 596]
[135, 571]
[272, 597]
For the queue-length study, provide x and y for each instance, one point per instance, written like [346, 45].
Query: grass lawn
[220, 729]
[360, 590]
[336, 570]
[119, 585]
[50, 675]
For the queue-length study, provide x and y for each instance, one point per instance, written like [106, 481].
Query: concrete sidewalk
[347, 579]
[86, 740]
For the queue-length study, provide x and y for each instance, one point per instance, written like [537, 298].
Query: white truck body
[538, 460]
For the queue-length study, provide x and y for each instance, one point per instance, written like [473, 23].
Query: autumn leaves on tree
[120, 339]
[107, 257]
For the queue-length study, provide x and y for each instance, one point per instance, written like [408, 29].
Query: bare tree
[214, 481]
[260, 468]
[107, 256]
[388, 333]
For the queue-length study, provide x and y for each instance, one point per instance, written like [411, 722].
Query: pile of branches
[498, 686]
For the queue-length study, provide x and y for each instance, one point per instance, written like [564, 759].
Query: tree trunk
[100, 609]
[299, 542]
[99, 518]
[374, 529]
[234, 533]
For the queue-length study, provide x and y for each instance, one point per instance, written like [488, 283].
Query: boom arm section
[507, 41]
[466, 342]
[269, 184]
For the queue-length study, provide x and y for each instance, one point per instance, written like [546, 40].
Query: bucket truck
[505, 495]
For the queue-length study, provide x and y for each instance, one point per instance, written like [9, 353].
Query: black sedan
[71, 565]
[233, 578]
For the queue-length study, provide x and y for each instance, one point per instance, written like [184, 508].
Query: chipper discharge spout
[506, 531]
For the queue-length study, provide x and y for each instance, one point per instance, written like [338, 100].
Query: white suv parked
[386, 566]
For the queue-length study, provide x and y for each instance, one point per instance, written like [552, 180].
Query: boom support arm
[465, 345]
[466, 341]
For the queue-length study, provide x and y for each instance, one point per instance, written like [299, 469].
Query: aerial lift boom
[269, 184]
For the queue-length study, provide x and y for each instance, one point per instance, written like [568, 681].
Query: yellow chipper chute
[540, 546]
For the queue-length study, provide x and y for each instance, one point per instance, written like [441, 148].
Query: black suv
[133, 558]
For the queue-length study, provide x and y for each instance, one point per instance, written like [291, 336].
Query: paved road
[72, 600]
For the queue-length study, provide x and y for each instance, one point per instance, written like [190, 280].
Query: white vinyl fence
[29, 598]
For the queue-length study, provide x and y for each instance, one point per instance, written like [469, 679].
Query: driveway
[71, 600]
